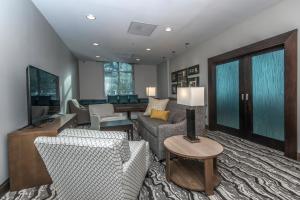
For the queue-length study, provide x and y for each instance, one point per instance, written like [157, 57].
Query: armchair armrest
[113, 135]
[83, 115]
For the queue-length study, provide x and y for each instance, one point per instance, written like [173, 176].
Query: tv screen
[42, 95]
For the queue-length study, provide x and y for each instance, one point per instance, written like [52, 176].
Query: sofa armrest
[168, 130]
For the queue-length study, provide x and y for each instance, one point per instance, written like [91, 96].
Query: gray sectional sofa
[156, 131]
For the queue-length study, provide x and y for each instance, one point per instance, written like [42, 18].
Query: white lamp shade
[190, 96]
[151, 91]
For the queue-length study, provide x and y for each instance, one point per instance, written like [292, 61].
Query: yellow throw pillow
[157, 104]
[159, 114]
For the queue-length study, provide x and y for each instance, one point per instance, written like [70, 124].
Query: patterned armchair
[103, 112]
[84, 166]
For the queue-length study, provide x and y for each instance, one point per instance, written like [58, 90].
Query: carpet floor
[248, 171]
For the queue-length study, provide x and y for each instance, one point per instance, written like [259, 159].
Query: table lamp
[151, 91]
[192, 97]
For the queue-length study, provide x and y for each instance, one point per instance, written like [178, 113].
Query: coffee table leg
[168, 165]
[128, 134]
[131, 133]
[128, 114]
[209, 176]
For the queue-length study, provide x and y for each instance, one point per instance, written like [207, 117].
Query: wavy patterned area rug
[248, 171]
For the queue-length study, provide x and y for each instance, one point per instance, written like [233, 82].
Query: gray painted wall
[145, 75]
[276, 20]
[91, 79]
[162, 81]
[27, 38]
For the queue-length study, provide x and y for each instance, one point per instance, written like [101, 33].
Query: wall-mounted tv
[42, 95]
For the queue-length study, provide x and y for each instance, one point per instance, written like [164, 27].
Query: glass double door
[250, 97]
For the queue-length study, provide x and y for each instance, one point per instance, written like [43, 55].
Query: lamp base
[196, 140]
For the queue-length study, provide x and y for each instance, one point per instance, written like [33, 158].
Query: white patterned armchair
[84, 166]
[103, 113]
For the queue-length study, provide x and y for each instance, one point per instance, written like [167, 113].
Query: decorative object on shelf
[174, 77]
[192, 97]
[151, 91]
[174, 88]
[193, 70]
[193, 82]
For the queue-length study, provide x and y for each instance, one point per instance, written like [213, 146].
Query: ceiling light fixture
[148, 49]
[137, 59]
[168, 29]
[90, 17]
[97, 56]
[96, 44]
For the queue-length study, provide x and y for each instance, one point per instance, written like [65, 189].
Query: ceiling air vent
[143, 29]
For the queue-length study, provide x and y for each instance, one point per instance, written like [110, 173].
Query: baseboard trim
[4, 187]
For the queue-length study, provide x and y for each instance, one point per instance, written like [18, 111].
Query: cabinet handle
[247, 97]
[242, 97]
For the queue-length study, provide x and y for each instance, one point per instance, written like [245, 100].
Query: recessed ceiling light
[168, 29]
[137, 59]
[97, 56]
[96, 44]
[148, 49]
[90, 17]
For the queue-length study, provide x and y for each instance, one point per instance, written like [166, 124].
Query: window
[118, 78]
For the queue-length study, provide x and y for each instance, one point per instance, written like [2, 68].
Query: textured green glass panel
[227, 76]
[268, 94]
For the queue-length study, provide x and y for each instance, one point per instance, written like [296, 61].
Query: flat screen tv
[42, 95]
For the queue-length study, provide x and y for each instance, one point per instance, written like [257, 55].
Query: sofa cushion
[113, 117]
[151, 124]
[115, 135]
[123, 99]
[112, 99]
[101, 109]
[176, 117]
[133, 98]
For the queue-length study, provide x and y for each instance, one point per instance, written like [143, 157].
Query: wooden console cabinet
[26, 167]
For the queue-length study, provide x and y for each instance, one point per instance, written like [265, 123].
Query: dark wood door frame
[288, 41]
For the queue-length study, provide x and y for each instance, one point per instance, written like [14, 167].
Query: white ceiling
[193, 21]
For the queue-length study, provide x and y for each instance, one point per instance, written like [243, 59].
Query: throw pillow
[159, 114]
[156, 104]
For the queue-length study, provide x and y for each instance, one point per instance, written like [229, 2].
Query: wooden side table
[195, 165]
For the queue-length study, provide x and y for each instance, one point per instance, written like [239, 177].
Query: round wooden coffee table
[195, 164]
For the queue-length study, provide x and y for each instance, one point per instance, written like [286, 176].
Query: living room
[203, 96]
